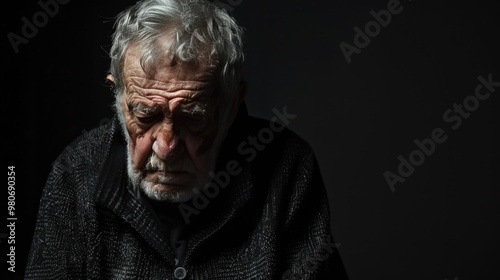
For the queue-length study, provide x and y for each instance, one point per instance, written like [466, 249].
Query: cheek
[203, 160]
[140, 149]
[140, 143]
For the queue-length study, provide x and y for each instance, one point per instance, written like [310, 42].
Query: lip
[175, 172]
[168, 172]
[176, 178]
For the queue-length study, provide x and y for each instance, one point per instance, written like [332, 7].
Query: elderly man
[183, 183]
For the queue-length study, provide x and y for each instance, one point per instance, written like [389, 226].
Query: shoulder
[78, 166]
[275, 140]
[283, 165]
[88, 148]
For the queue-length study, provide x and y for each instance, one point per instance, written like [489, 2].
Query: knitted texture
[271, 220]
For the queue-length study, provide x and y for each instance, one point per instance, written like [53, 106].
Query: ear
[110, 80]
[238, 99]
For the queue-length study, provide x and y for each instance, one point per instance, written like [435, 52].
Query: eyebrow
[143, 108]
[192, 107]
[199, 106]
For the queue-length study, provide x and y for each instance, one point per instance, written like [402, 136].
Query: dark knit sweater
[270, 221]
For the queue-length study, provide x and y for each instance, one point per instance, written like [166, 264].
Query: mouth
[174, 178]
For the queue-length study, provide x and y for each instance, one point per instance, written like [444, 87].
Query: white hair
[202, 32]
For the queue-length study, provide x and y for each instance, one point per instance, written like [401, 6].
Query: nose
[167, 143]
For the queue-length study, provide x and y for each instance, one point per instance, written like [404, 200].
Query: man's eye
[194, 118]
[148, 119]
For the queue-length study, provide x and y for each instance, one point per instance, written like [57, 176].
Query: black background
[442, 222]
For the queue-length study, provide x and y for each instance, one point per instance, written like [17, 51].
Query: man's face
[172, 123]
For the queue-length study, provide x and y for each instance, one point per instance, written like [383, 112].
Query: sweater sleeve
[311, 251]
[58, 247]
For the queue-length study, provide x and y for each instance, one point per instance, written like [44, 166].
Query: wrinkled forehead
[159, 64]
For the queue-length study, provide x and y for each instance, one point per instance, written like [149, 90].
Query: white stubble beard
[148, 188]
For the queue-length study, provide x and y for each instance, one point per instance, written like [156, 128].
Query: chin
[161, 192]
[155, 190]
